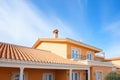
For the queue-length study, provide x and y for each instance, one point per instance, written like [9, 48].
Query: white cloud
[22, 23]
[114, 28]
[83, 4]
[113, 48]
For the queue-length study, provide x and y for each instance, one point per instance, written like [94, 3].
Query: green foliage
[112, 76]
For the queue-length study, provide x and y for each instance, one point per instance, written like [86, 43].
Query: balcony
[82, 57]
[97, 61]
[95, 58]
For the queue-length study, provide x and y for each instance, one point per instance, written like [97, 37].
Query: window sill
[74, 59]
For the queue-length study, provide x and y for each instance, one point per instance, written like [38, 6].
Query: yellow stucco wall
[57, 48]
[64, 49]
[116, 62]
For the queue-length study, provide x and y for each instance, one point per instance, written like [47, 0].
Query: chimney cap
[55, 31]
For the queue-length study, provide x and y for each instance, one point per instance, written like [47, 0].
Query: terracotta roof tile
[117, 65]
[15, 52]
[114, 58]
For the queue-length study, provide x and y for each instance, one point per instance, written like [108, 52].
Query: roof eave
[66, 40]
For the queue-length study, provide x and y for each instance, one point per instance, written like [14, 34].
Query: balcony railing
[82, 57]
[100, 62]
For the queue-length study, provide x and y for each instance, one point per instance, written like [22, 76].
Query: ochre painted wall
[31, 74]
[37, 74]
[64, 49]
[103, 69]
[82, 73]
[82, 50]
[57, 48]
[7, 73]
[61, 75]
[99, 58]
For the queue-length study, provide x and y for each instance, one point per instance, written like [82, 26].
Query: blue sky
[95, 22]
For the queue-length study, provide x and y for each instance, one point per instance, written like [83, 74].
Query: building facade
[116, 62]
[53, 59]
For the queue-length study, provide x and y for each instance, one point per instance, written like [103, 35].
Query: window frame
[45, 75]
[89, 56]
[75, 53]
[14, 74]
[98, 75]
[73, 76]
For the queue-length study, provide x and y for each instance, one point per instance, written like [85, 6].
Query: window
[75, 54]
[75, 76]
[98, 75]
[89, 56]
[47, 76]
[17, 76]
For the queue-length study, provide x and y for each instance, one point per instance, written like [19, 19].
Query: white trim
[17, 73]
[114, 68]
[14, 74]
[78, 53]
[96, 63]
[78, 75]
[89, 74]
[46, 75]
[21, 73]
[29, 64]
[83, 44]
[70, 74]
[100, 72]
[90, 53]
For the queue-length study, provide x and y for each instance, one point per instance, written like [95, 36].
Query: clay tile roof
[114, 58]
[118, 66]
[15, 52]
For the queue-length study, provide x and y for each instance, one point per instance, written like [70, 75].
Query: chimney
[103, 54]
[55, 33]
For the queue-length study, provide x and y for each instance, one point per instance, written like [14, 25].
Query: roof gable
[65, 40]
